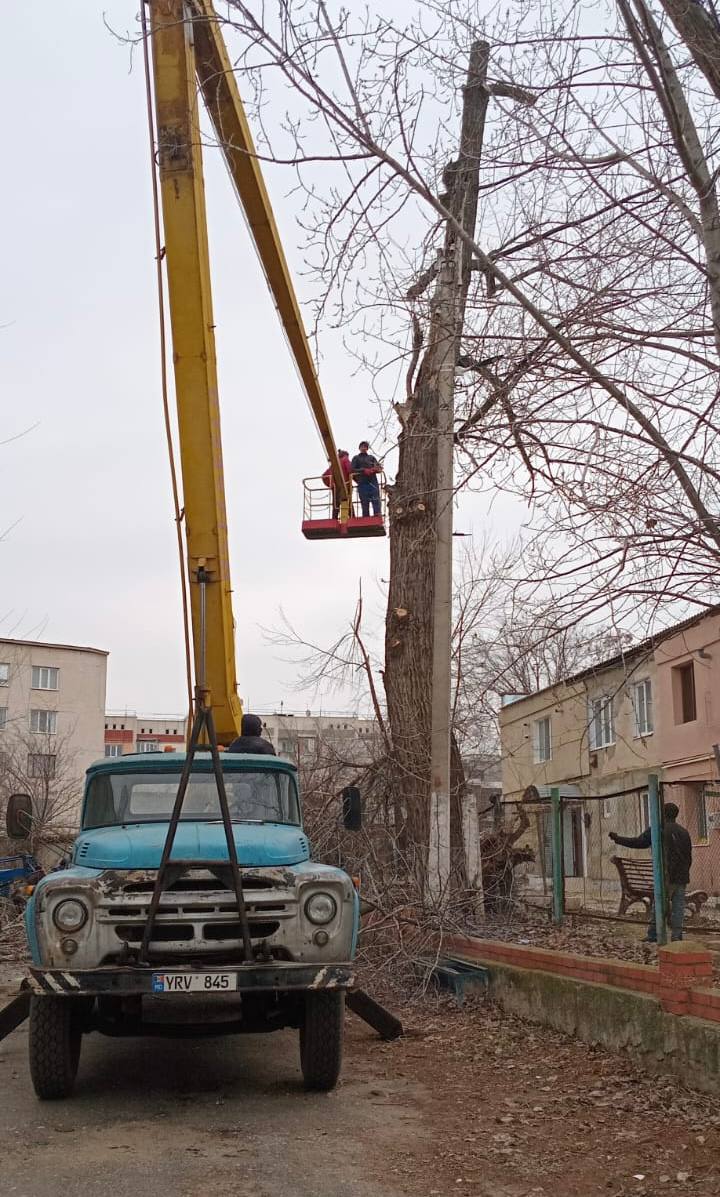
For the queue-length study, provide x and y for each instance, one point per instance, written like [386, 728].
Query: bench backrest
[634, 874]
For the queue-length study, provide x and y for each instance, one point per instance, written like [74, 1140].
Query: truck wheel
[54, 1041]
[321, 1039]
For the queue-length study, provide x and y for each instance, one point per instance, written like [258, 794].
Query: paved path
[190, 1119]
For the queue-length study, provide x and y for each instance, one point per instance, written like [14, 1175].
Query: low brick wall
[679, 981]
[667, 1014]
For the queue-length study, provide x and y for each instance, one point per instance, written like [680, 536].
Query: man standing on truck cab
[365, 469]
[677, 848]
[251, 738]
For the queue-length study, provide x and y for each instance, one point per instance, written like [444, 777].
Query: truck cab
[85, 920]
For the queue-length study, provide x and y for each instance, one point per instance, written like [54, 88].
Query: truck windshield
[264, 796]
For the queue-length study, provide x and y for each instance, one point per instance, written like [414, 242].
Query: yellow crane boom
[187, 44]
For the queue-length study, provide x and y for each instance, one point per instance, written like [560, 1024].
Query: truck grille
[194, 918]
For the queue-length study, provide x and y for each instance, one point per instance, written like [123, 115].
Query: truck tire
[321, 1039]
[54, 1042]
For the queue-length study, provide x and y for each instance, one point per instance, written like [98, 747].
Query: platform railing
[318, 499]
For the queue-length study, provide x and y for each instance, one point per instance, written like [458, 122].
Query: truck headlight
[321, 908]
[70, 915]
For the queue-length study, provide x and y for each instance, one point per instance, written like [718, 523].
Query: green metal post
[557, 857]
[658, 857]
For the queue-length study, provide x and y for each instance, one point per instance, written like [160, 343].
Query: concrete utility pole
[448, 313]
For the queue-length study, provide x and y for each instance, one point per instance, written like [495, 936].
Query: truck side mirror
[19, 816]
[352, 808]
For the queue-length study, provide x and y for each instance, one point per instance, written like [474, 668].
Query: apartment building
[304, 737]
[598, 734]
[126, 732]
[52, 703]
[299, 737]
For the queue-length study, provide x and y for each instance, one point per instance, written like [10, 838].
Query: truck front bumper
[124, 981]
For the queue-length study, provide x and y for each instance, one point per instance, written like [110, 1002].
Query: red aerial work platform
[318, 522]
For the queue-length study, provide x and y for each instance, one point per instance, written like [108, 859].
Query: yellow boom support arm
[186, 42]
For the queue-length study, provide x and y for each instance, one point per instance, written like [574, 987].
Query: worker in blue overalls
[365, 469]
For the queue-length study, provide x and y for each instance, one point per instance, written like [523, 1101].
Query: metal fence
[577, 868]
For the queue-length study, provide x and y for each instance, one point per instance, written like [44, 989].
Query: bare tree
[588, 336]
[44, 767]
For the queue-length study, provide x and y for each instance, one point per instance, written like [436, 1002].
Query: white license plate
[194, 982]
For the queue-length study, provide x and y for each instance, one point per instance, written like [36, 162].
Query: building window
[644, 810]
[573, 851]
[41, 764]
[3, 718]
[642, 703]
[602, 726]
[113, 750]
[542, 743]
[43, 721]
[683, 691]
[44, 677]
[701, 814]
[148, 746]
[4, 674]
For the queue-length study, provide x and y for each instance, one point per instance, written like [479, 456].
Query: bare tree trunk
[415, 500]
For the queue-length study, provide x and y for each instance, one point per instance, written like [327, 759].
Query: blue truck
[86, 919]
[191, 880]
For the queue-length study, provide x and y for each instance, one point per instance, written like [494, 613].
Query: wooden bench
[636, 879]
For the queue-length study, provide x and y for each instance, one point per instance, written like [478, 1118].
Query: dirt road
[468, 1104]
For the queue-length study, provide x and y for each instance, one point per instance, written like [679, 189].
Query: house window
[4, 674]
[701, 815]
[148, 746]
[542, 743]
[602, 725]
[573, 853]
[683, 691]
[113, 750]
[41, 764]
[43, 721]
[644, 811]
[642, 703]
[44, 677]
[3, 718]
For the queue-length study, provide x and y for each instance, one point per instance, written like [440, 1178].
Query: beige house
[592, 735]
[52, 703]
[597, 736]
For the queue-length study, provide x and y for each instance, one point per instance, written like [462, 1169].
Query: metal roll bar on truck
[192, 878]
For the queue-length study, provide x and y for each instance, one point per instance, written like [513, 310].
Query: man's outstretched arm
[643, 840]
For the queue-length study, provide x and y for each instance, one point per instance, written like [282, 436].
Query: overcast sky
[88, 554]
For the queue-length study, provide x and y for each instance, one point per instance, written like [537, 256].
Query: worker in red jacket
[347, 472]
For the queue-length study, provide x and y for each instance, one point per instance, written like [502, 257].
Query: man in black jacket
[677, 849]
[365, 469]
[251, 739]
